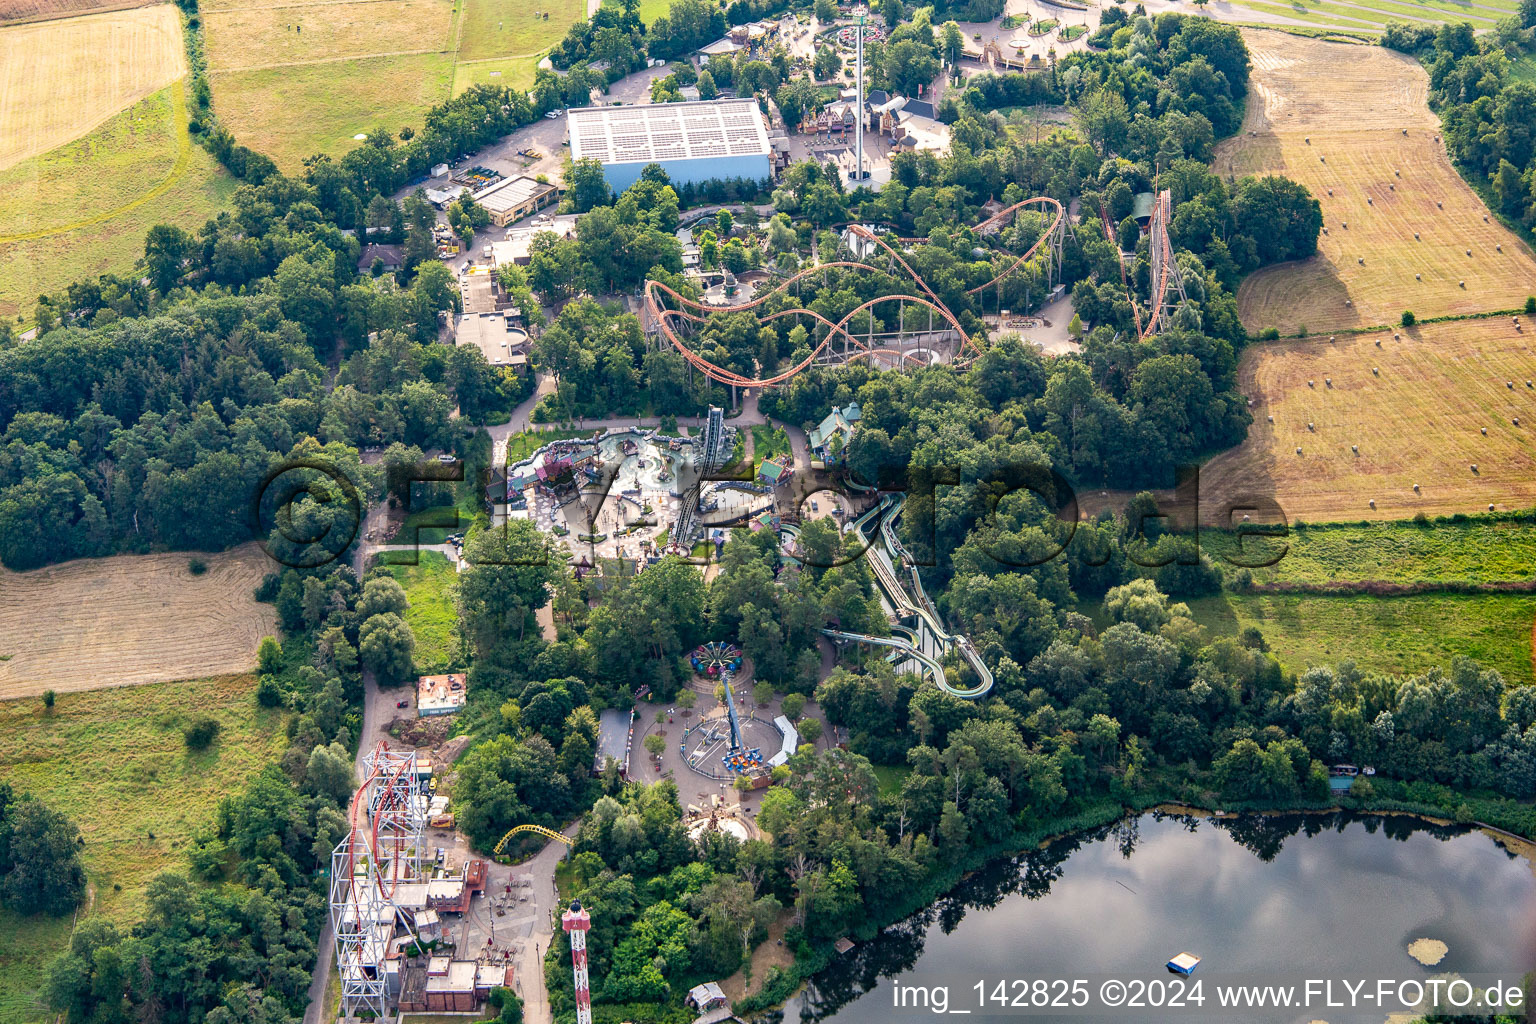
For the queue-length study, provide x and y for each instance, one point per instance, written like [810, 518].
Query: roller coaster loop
[547, 833]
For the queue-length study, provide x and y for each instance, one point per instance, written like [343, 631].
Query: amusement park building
[693, 142]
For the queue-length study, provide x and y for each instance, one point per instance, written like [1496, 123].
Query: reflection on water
[1326, 895]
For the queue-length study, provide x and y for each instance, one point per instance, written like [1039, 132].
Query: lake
[1271, 899]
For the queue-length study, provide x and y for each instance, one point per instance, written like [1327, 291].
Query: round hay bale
[1415, 488]
[1309, 384]
[1418, 277]
[1510, 384]
[1355, 448]
[1327, 382]
[1375, 371]
[1439, 205]
[1369, 201]
[1485, 431]
[1310, 426]
[1378, 343]
[1309, 140]
[1469, 252]
[1330, 337]
[1462, 284]
[1322, 160]
[1373, 503]
[1397, 172]
[1499, 248]
[1474, 467]
[1298, 449]
[1362, 261]
[1396, 336]
[1271, 419]
[1330, 191]
[1415, 236]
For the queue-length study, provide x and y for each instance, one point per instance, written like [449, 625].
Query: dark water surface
[1277, 899]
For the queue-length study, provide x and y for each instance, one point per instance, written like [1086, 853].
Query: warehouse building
[693, 142]
[512, 199]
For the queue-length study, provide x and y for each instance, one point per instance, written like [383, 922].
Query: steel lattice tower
[383, 847]
[576, 922]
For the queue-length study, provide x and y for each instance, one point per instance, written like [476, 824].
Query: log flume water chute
[670, 310]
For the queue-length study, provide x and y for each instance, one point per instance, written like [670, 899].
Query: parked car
[402, 703]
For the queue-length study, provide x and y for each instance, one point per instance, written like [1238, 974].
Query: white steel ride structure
[929, 639]
[577, 922]
[383, 848]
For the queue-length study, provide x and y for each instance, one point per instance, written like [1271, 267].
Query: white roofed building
[692, 142]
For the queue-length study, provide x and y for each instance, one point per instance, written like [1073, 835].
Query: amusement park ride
[724, 660]
[1165, 268]
[383, 848]
[674, 315]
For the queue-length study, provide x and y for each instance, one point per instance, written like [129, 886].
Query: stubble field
[1415, 406]
[60, 79]
[1354, 120]
[130, 619]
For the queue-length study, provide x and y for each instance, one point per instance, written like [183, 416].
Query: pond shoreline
[791, 983]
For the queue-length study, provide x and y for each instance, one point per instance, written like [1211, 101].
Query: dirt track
[130, 619]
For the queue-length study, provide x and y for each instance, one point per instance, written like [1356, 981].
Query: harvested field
[290, 113]
[130, 619]
[499, 28]
[15, 12]
[83, 209]
[1418, 419]
[1390, 177]
[116, 762]
[60, 79]
[265, 37]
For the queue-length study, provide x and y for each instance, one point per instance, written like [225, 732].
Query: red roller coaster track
[681, 309]
[396, 789]
[1162, 262]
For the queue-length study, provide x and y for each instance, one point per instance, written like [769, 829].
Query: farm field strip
[499, 28]
[331, 32]
[292, 113]
[21, 12]
[61, 79]
[1415, 408]
[1399, 220]
[1399, 635]
[1361, 11]
[130, 619]
[84, 208]
[1480, 550]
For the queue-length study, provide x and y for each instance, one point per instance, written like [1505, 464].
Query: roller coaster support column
[577, 922]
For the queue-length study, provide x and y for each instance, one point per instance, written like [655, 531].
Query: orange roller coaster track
[668, 309]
